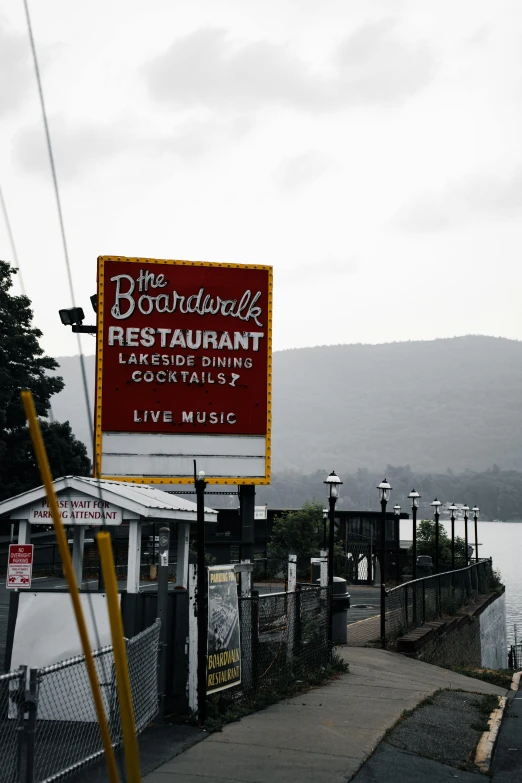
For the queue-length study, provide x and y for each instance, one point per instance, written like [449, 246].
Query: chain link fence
[515, 657]
[412, 604]
[12, 690]
[272, 572]
[284, 638]
[59, 732]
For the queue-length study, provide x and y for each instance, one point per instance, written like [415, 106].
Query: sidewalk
[323, 735]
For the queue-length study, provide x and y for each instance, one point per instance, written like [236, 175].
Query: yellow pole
[130, 741]
[45, 472]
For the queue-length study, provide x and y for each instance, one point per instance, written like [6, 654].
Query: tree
[24, 366]
[298, 532]
[301, 533]
[426, 544]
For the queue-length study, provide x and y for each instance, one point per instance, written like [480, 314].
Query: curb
[515, 685]
[486, 746]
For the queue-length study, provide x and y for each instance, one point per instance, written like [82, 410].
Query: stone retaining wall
[475, 637]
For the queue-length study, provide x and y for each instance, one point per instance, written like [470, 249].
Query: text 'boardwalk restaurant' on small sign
[183, 370]
[223, 646]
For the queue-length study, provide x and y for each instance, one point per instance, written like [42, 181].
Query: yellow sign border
[99, 373]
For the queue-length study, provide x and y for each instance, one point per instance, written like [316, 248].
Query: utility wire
[18, 267]
[73, 298]
[71, 286]
[60, 216]
[12, 242]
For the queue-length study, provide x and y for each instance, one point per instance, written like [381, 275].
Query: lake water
[501, 541]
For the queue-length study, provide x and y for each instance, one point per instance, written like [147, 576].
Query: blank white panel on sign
[169, 456]
[129, 465]
[183, 445]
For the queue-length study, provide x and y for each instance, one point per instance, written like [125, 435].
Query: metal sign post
[202, 600]
[163, 598]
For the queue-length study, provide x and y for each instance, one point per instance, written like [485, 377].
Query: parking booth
[41, 629]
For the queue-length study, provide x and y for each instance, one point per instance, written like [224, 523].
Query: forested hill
[444, 403]
[453, 403]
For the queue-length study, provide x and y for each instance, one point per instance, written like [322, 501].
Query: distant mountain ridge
[449, 403]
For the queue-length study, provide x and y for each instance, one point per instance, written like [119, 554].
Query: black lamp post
[333, 485]
[384, 495]
[476, 510]
[452, 510]
[436, 512]
[397, 512]
[465, 509]
[414, 496]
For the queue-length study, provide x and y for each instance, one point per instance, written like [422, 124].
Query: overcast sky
[369, 151]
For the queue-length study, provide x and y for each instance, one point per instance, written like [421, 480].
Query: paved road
[320, 736]
[364, 603]
[507, 761]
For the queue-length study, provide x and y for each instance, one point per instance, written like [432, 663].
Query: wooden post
[77, 553]
[324, 568]
[192, 680]
[182, 562]
[24, 532]
[134, 556]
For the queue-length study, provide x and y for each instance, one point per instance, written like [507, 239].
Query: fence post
[20, 705]
[298, 634]
[292, 573]
[323, 563]
[254, 638]
[290, 605]
[406, 606]
[163, 601]
[423, 601]
[192, 681]
[31, 707]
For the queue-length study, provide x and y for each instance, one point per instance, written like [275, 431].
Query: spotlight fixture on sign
[74, 317]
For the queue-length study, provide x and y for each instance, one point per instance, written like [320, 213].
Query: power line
[11, 241]
[71, 287]
[60, 214]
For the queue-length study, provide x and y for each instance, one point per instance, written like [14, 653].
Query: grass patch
[485, 705]
[222, 709]
[500, 677]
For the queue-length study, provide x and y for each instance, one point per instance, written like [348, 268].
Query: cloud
[15, 71]
[75, 147]
[79, 147]
[376, 66]
[298, 171]
[479, 194]
[207, 69]
[327, 269]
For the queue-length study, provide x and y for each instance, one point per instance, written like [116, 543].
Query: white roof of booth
[145, 501]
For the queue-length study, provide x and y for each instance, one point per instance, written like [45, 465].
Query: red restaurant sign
[184, 348]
